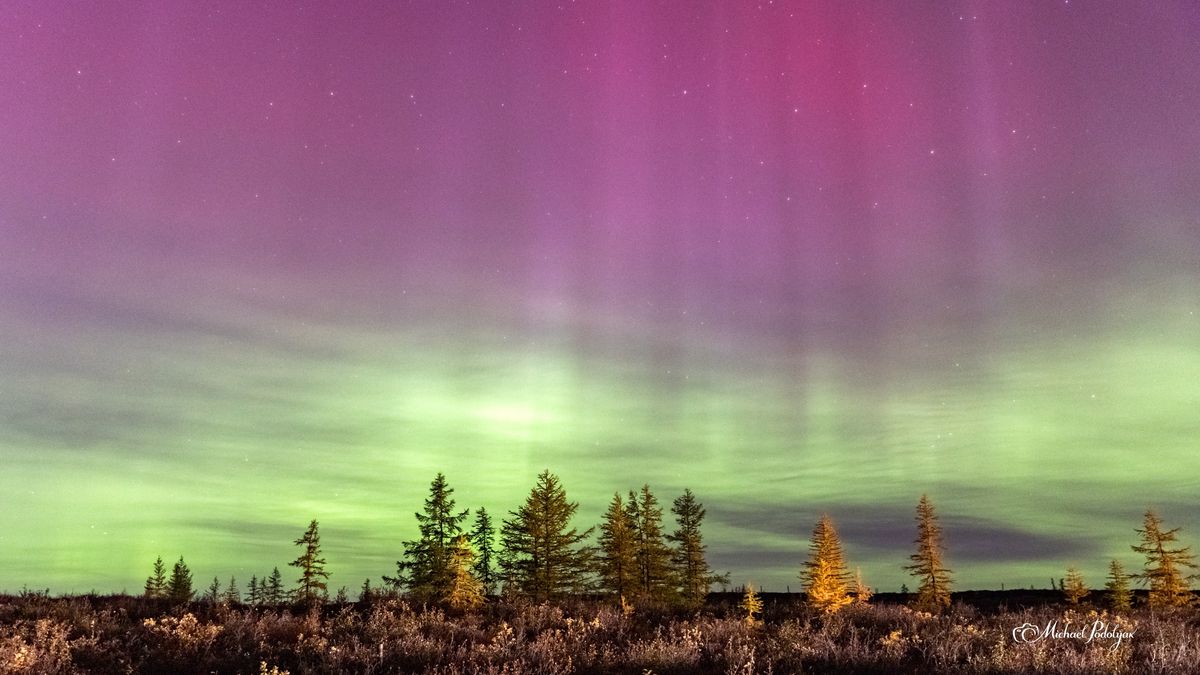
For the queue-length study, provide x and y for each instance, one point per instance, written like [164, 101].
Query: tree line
[537, 553]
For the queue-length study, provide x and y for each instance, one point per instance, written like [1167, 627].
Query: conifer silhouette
[933, 594]
[312, 566]
[617, 554]
[690, 566]
[542, 556]
[1165, 565]
[156, 583]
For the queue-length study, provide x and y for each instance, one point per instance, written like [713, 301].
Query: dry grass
[39, 634]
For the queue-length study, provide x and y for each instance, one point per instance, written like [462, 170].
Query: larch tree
[933, 594]
[542, 556]
[653, 555]
[688, 561]
[1166, 562]
[465, 592]
[1119, 597]
[311, 583]
[483, 540]
[826, 581]
[751, 604]
[156, 583]
[617, 551]
[425, 569]
[862, 592]
[1073, 586]
[179, 586]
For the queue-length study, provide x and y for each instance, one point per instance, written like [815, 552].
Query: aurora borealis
[263, 264]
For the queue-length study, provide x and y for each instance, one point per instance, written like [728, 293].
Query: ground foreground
[89, 634]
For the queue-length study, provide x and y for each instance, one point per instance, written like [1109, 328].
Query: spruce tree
[617, 551]
[465, 592]
[156, 583]
[483, 540]
[933, 594]
[179, 586]
[1119, 597]
[690, 567]
[1165, 565]
[312, 566]
[254, 592]
[213, 594]
[541, 555]
[232, 596]
[274, 593]
[653, 554]
[826, 581]
[425, 569]
[366, 594]
[1073, 586]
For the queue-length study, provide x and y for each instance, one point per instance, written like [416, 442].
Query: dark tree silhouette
[311, 565]
[933, 594]
[156, 583]
[541, 554]
[179, 586]
[232, 596]
[425, 569]
[617, 554]
[692, 572]
[274, 593]
[483, 539]
[653, 556]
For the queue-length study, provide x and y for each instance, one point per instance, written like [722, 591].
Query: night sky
[263, 263]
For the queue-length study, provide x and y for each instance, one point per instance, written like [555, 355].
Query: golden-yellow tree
[1165, 565]
[751, 604]
[464, 591]
[933, 595]
[1119, 598]
[1073, 586]
[826, 582]
[862, 592]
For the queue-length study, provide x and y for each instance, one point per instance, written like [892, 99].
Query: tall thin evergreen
[232, 596]
[213, 594]
[465, 592]
[179, 586]
[1164, 570]
[542, 556]
[1119, 597]
[617, 551]
[312, 566]
[156, 583]
[933, 593]
[425, 569]
[691, 570]
[826, 579]
[274, 593]
[653, 554]
[483, 540]
[1073, 586]
[254, 592]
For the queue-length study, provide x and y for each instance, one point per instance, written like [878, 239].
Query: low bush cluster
[88, 634]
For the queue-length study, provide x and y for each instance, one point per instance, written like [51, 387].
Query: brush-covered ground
[121, 634]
